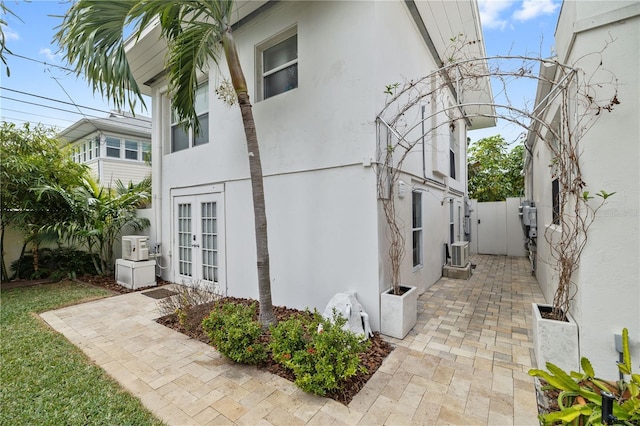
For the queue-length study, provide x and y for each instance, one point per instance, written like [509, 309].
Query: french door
[199, 240]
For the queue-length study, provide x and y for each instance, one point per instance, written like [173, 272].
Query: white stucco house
[317, 73]
[115, 147]
[607, 296]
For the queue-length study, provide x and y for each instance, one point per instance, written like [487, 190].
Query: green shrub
[232, 329]
[321, 354]
[57, 264]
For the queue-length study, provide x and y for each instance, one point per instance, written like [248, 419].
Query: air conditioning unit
[134, 247]
[460, 254]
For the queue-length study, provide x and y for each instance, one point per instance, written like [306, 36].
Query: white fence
[496, 228]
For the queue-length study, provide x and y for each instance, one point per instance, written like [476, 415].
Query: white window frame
[417, 230]
[202, 111]
[452, 223]
[107, 147]
[136, 150]
[261, 74]
[453, 150]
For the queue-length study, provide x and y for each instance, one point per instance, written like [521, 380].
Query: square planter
[555, 341]
[398, 314]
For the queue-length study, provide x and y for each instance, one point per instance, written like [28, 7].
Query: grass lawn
[44, 379]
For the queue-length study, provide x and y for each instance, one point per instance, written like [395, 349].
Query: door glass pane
[209, 242]
[184, 240]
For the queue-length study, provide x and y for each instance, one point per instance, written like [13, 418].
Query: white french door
[199, 240]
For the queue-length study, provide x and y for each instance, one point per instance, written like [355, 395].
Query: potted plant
[582, 398]
[555, 332]
[399, 303]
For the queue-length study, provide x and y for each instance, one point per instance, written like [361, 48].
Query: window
[113, 147]
[146, 152]
[555, 203]
[452, 150]
[84, 152]
[417, 227]
[278, 61]
[130, 150]
[452, 227]
[183, 138]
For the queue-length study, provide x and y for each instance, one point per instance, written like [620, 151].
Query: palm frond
[91, 37]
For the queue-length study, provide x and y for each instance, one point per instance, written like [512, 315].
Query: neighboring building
[607, 281]
[117, 147]
[317, 73]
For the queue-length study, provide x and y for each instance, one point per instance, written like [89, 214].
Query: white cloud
[10, 34]
[52, 57]
[493, 13]
[531, 9]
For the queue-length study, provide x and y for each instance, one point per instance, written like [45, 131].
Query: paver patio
[465, 362]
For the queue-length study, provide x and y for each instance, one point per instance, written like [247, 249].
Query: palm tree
[99, 214]
[197, 32]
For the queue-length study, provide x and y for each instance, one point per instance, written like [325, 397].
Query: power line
[52, 100]
[108, 119]
[37, 115]
[142, 126]
[41, 62]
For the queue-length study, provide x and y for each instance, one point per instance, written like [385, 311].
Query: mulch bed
[371, 360]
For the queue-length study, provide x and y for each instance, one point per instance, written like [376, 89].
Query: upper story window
[131, 150]
[183, 138]
[453, 150]
[278, 64]
[111, 147]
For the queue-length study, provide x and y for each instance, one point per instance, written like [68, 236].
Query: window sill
[417, 268]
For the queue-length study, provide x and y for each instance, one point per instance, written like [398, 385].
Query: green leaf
[604, 194]
[567, 415]
[562, 378]
[587, 367]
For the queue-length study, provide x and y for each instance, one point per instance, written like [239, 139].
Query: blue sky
[516, 27]
[39, 77]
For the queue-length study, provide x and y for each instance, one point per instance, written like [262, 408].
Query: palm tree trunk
[267, 316]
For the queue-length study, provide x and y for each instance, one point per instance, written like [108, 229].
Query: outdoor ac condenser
[460, 254]
[134, 247]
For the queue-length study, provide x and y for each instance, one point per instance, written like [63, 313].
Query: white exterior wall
[317, 143]
[609, 275]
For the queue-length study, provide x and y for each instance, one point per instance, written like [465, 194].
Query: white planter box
[398, 314]
[555, 341]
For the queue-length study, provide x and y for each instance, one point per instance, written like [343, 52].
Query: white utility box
[135, 275]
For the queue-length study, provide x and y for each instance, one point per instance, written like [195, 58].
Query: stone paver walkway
[465, 363]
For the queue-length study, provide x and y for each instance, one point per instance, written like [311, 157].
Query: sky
[41, 90]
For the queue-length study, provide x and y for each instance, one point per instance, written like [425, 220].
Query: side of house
[603, 40]
[317, 73]
[116, 147]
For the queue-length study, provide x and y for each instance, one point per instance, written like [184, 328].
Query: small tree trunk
[267, 317]
[20, 259]
[4, 274]
[36, 260]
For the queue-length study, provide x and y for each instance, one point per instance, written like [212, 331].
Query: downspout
[156, 180]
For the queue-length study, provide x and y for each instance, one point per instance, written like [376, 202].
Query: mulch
[371, 359]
